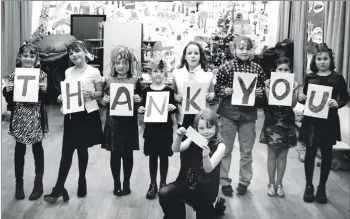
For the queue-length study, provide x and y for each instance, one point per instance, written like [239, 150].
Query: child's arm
[221, 82]
[138, 93]
[302, 96]
[172, 101]
[295, 94]
[179, 146]
[343, 92]
[209, 163]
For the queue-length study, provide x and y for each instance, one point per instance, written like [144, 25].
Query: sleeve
[96, 76]
[144, 95]
[138, 88]
[343, 92]
[221, 81]
[261, 78]
[8, 96]
[174, 86]
[306, 85]
[172, 99]
[43, 96]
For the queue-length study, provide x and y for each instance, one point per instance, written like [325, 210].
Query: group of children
[203, 167]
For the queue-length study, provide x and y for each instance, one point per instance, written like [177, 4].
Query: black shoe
[55, 194]
[309, 194]
[37, 190]
[117, 191]
[241, 189]
[152, 191]
[161, 185]
[81, 188]
[227, 190]
[321, 196]
[19, 195]
[220, 207]
[126, 189]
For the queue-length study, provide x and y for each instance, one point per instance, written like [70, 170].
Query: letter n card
[157, 106]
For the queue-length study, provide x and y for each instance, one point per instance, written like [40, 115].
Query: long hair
[211, 119]
[202, 57]
[123, 52]
[280, 61]
[32, 49]
[322, 48]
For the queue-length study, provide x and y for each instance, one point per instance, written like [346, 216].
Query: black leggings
[66, 163]
[128, 163]
[326, 163]
[172, 199]
[38, 152]
[153, 167]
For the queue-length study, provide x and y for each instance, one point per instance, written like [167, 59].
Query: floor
[100, 202]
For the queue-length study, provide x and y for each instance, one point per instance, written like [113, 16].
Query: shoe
[219, 208]
[81, 188]
[152, 191]
[118, 192]
[309, 194]
[241, 189]
[126, 189]
[19, 194]
[271, 190]
[161, 185]
[321, 196]
[55, 194]
[227, 190]
[38, 189]
[280, 192]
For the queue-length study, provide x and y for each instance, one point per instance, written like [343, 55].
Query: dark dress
[159, 136]
[121, 133]
[278, 131]
[321, 132]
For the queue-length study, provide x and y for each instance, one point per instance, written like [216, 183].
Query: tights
[20, 151]
[326, 163]
[66, 163]
[128, 163]
[153, 167]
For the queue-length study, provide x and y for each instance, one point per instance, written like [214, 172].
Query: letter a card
[26, 85]
[281, 89]
[157, 106]
[317, 99]
[244, 86]
[72, 97]
[121, 99]
[193, 97]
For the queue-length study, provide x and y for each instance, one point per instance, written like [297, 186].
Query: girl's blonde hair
[123, 52]
[212, 120]
[32, 49]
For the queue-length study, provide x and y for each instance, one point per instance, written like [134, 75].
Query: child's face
[283, 68]
[28, 59]
[206, 131]
[242, 51]
[121, 66]
[323, 61]
[158, 76]
[77, 57]
[192, 56]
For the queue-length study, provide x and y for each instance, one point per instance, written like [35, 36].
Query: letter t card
[26, 85]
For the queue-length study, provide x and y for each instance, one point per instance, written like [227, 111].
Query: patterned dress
[279, 131]
[26, 124]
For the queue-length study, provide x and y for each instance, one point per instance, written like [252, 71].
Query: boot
[321, 196]
[152, 191]
[117, 190]
[37, 190]
[55, 194]
[126, 188]
[81, 188]
[309, 194]
[19, 195]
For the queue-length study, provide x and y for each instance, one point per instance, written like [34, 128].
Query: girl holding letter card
[198, 181]
[81, 130]
[158, 136]
[278, 133]
[121, 133]
[29, 123]
[318, 132]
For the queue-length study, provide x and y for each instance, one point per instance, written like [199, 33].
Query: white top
[181, 76]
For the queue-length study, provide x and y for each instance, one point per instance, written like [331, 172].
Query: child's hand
[59, 98]
[228, 91]
[258, 92]
[43, 87]
[206, 151]
[178, 98]
[333, 103]
[267, 83]
[171, 107]
[88, 94]
[142, 109]
[302, 97]
[181, 131]
[9, 87]
[106, 99]
[210, 96]
[137, 98]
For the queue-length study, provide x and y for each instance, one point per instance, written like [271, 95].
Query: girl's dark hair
[32, 49]
[246, 40]
[212, 120]
[322, 48]
[202, 57]
[280, 61]
[77, 46]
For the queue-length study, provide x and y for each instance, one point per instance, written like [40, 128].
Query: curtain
[283, 20]
[16, 19]
[337, 35]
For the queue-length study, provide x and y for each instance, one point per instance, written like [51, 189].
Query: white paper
[280, 89]
[74, 102]
[157, 107]
[238, 95]
[126, 97]
[91, 106]
[317, 101]
[199, 100]
[197, 138]
[26, 92]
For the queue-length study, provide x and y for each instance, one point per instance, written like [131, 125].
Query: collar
[197, 69]
[240, 61]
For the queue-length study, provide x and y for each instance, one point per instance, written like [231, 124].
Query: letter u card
[317, 99]
[26, 85]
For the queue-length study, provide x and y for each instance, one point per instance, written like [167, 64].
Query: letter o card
[244, 86]
[317, 99]
[26, 85]
[281, 89]
[121, 99]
